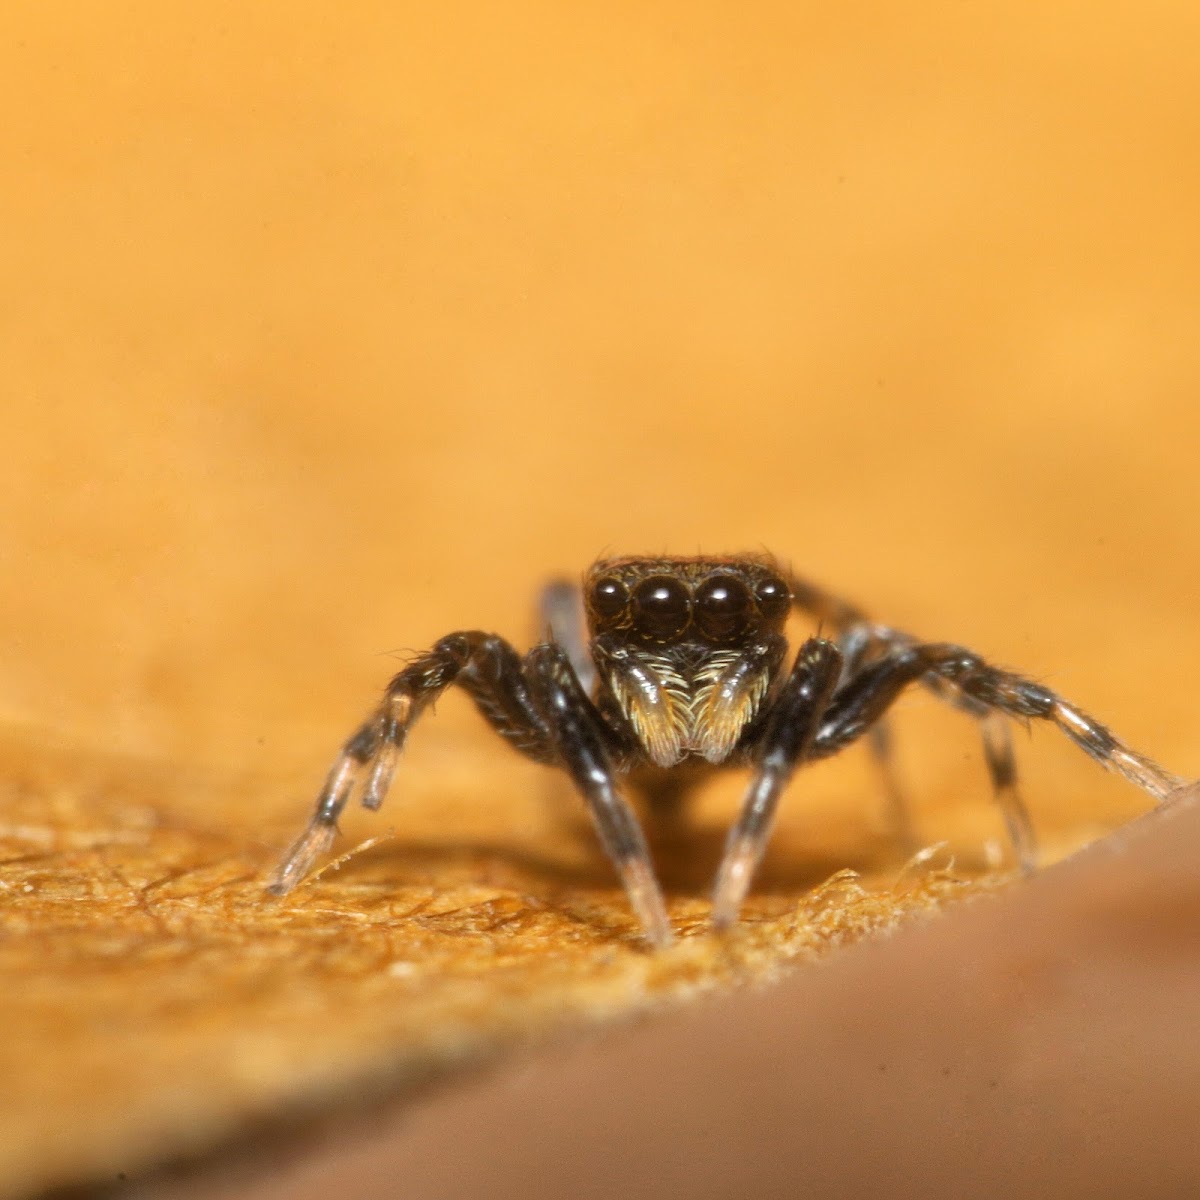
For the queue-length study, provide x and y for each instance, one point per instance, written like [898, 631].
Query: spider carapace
[686, 659]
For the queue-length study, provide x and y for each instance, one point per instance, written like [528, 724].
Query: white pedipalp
[676, 711]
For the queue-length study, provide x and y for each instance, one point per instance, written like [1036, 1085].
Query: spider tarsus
[646, 899]
[733, 880]
[315, 841]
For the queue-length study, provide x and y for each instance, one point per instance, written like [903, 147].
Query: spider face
[686, 648]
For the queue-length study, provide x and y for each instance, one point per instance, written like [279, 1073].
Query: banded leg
[485, 666]
[862, 641]
[869, 643]
[785, 742]
[584, 744]
[862, 700]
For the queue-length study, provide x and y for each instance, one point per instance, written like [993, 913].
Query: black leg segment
[584, 743]
[485, 666]
[786, 741]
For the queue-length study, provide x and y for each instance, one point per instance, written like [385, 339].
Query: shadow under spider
[685, 856]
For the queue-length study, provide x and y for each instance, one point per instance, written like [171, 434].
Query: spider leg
[560, 610]
[1002, 767]
[992, 694]
[825, 606]
[900, 826]
[860, 641]
[867, 642]
[584, 745]
[787, 738]
[863, 641]
[485, 666]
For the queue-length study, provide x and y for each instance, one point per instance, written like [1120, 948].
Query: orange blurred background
[329, 330]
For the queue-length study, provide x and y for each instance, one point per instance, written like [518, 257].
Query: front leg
[585, 747]
[485, 666]
[784, 743]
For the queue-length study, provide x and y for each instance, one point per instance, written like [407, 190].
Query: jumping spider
[684, 659]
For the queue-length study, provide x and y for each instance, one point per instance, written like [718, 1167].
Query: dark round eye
[722, 605]
[773, 597]
[661, 607]
[609, 597]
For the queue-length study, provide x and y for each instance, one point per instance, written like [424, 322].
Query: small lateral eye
[773, 597]
[661, 607]
[609, 597]
[722, 605]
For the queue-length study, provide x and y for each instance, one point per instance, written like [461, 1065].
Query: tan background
[326, 331]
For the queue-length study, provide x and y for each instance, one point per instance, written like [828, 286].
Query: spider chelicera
[684, 659]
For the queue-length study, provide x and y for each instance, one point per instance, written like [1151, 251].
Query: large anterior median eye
[661, 607]
[609, 597]
[773, 598]
[722, 606]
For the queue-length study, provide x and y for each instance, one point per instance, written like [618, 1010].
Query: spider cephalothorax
[686, 648]
[684, 658]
